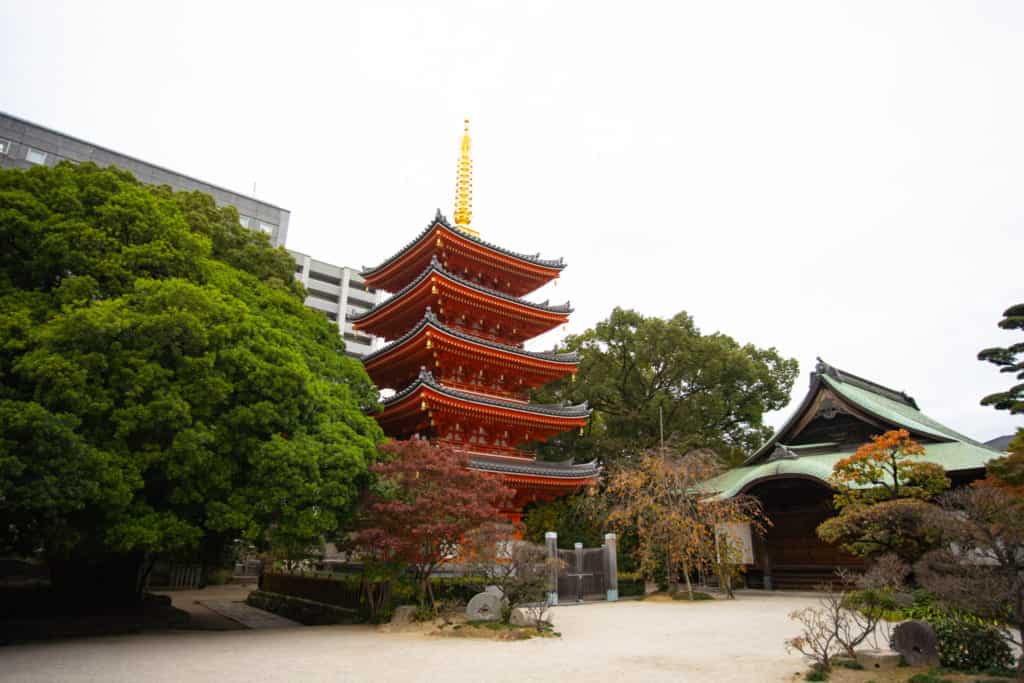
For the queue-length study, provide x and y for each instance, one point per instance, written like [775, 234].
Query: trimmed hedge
[307, 612]
[344, 590]
[338, 591]
[971, 646]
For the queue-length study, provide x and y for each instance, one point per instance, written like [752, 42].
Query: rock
[526, 616]
[495, 590]
[916, 641]
[878, 660]
[484, 607]
[403, 615]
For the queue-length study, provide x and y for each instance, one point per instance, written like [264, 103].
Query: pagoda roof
[426, 379]
[435, 267]
[440, 221]
[539, 468]
[889, 407]
[430, 320]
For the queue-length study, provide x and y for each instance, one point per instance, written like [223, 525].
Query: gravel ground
[737, 640]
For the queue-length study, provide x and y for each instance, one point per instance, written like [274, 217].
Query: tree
[424, 504]
[1010, 360]
[894, 526]
[640, 374]
[519, 569]
[880, 493]
[980, 567]
[661, 499]
[884, 470]
[571, 517]
[163, 390]
[1008, 472]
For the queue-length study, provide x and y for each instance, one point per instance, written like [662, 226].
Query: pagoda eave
[519, 273]
[456, 299]
[431, 344]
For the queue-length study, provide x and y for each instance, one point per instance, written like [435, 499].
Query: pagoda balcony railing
[485, 389]
[488, 449]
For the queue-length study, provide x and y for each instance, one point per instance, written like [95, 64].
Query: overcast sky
[833, 179]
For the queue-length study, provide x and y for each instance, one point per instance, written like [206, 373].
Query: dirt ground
[724, 641]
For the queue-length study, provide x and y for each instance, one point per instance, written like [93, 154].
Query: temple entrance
[790, 556]
[583, 574]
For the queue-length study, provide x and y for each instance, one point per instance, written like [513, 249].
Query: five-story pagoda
[456, 325]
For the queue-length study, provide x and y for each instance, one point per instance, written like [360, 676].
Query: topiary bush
[970, 645]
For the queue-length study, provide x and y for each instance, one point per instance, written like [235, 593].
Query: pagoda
[456, 324]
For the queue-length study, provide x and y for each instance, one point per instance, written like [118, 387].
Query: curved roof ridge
[440, 219]
[824, 368]
[436, 267]
[565, 469]
[429, 318]
[426, 378]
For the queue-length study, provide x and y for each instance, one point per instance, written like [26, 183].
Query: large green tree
[1008, 471]
[163, 390]
[646, 376]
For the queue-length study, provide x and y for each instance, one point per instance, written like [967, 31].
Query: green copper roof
[890, 408]
[953, 456]
[894, 411]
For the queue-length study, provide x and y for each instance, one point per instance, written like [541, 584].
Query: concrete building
[24, 144]
[337, 291]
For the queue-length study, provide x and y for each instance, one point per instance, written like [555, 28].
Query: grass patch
[697, 595]
[929, 677]
[848, 664]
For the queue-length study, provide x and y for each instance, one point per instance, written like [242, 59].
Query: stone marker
[484, 607]
[878, 660]
[916, 641]
[494, 589]
[403, 615]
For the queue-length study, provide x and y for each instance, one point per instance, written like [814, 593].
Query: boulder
[526, 616]
[878, 660]
[484, 607]
[916, 641]
[403, 615]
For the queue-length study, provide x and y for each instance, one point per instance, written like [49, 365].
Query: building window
[331, 316]
[354, 284]
[5, 146]
[266, 227]
[34, 156]
[243, 221]
[358, 339]
[365, 305]
[333, 298]
[298, 267]
[323, 277]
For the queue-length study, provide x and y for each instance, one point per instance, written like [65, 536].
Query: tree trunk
[686, 575]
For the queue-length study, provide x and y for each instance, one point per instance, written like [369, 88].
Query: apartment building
[337, 291]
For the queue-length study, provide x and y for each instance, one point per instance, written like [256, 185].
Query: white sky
[834, 179]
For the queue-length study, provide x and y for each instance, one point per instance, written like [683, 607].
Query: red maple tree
[424, 503]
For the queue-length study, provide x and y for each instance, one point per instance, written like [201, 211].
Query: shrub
[970, 645]
[816, 673]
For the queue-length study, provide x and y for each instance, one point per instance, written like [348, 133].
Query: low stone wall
[303, 611]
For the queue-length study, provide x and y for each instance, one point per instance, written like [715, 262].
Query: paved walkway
[723, 641]
[247, 616]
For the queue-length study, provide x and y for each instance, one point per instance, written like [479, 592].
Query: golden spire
[464, 188]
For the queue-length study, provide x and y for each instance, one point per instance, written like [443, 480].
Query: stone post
[578, 547]
[551, 542]
[611, 567]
